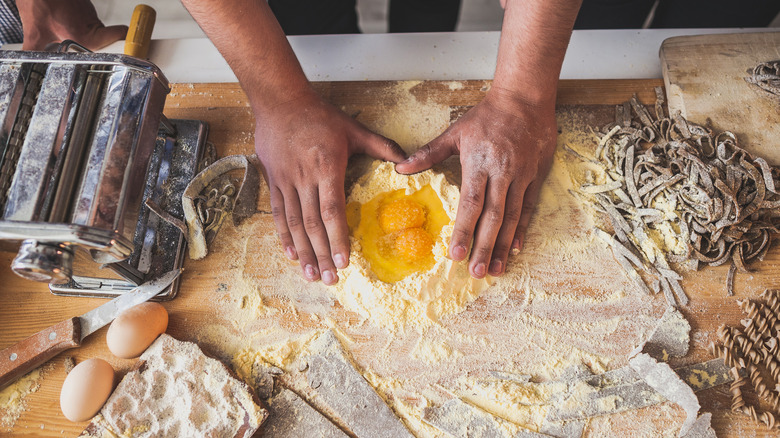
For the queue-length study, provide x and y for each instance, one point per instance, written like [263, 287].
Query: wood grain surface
[27, 307]
[704, 78]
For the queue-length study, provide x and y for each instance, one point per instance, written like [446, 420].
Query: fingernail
[290, 253]
[517, 246]
[459, 252]
[495, 267]
[328, 277]
[479, 270]
[340, 261]
[310, 272]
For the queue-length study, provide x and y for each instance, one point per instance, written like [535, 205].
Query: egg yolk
[414, 244]
[400, 215]
[397, 231]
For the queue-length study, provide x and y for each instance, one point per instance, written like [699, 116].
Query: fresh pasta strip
[710, 201]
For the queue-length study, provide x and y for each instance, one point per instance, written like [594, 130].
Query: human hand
[506, 147]
[47, 21]
[304, 145]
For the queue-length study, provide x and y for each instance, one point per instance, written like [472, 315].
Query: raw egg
[414, 244]
[400, 215]
[86, 389]
[397, 232]
[135, 329]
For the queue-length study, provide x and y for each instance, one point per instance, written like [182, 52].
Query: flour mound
[420, 299]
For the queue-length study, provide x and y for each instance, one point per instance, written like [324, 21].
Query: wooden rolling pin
[139, 33]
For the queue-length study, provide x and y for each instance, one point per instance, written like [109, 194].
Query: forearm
[250, 39]
[533, 43]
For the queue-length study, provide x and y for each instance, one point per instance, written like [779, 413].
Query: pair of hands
[48, 21]
[505, 147]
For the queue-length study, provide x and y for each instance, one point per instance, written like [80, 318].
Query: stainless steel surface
[83, 147]
[109, 287]
[87, 238]
[87, 93]
[157, 246]
[100, 316]
[34, 170]
[98, 287]
[119, 153]
[52, 263]
[76, 133]
[24, 91]
[173, 165]
[88, 58]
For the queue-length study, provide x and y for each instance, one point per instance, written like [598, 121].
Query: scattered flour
[281, 354]
[432, 352]
[454, 85]
[525, 405]
[187, 394]
[411, 122]
[13, 397]
[563, 301]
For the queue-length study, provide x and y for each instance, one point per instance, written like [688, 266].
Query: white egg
[85, 389]
[135, 329]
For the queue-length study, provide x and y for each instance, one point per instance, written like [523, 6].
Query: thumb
[436, 151]
[105, 35]
[380, 147]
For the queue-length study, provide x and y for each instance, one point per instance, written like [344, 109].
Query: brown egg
[85, 389]
[135, 329]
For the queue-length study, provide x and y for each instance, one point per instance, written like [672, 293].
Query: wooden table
[26, 307]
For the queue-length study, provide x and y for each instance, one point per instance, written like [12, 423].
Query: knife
[25, 356]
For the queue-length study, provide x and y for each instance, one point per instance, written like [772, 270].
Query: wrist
[534, 39]
[519, 101]
[532, 78]
[266, 102]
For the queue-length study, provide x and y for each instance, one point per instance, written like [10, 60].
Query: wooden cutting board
[704, 79]
[602, 321]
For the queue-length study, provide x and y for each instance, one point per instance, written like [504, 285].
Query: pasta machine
[86, 157]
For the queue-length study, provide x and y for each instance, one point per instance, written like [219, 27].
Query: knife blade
[25, 356]
[100, 316]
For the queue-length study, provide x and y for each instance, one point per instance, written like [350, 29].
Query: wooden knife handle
[18, 360]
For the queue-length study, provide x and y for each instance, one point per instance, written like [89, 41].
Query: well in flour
[417, 298]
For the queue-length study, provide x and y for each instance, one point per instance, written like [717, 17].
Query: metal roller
[83, 148]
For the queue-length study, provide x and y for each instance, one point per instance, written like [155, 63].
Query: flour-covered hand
[304, 145]
[505, 146]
